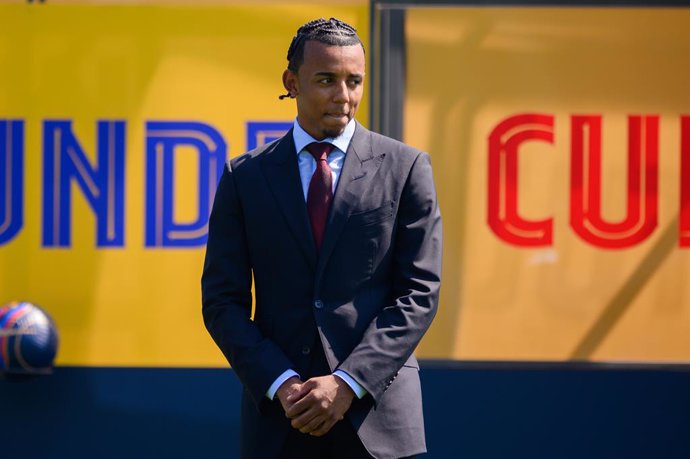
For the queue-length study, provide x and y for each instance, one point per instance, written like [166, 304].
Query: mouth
[337, 116]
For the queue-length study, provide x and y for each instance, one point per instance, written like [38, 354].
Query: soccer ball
[28, 339]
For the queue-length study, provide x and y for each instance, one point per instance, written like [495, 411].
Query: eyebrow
[332, 74]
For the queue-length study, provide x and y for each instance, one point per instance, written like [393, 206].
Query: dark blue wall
[472, 411]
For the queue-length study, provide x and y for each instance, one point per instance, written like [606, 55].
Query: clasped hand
[314, 406]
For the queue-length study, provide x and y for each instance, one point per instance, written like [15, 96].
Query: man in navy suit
[339, 230]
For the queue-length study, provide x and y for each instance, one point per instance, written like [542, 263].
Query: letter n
[102, 184]
[163, 140]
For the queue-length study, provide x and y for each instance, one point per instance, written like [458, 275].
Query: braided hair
[330, 32]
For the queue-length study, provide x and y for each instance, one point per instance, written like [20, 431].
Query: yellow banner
[114, 125]
[561, 146]
[560, 139]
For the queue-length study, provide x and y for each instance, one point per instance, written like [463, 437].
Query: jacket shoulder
[381, 142]
[398, 155]
[251, 158]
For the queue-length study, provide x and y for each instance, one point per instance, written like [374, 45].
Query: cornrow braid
[331, 32]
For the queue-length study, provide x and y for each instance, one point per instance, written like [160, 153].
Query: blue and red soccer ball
[28, 339]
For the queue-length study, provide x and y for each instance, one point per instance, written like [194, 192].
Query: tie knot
[320, 150]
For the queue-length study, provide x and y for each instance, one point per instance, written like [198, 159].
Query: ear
[290, 83]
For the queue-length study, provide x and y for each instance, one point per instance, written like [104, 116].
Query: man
[342, 240]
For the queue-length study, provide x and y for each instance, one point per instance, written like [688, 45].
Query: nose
[342, 93]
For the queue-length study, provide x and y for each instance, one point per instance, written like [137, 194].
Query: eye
[354, 82]
[326, 80]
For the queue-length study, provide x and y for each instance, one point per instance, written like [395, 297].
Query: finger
[299, 393]
[312, 425]
[303, 419]
[296, 409]
[300, 406]
[323, 429]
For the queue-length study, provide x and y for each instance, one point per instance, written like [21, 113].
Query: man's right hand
[290, 386]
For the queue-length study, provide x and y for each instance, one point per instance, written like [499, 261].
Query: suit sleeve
[227, 300]
[395, 332]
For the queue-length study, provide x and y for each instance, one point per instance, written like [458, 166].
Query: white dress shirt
[306, 162]
[307, 166]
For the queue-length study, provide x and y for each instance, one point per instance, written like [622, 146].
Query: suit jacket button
[306, 350]
[318, 304]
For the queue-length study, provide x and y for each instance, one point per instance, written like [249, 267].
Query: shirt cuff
[287, 374]
[354, 385]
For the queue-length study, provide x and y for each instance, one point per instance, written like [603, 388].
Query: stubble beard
[332, 132]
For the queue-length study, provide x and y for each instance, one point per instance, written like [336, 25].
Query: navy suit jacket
[366, 299]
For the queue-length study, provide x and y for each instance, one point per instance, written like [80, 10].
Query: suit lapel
[280, 168]
[358, 170]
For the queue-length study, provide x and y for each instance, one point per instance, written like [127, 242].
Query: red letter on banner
[684, 218]
[585, 180]
[504, 142]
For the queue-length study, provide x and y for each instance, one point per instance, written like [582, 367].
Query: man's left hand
[321, 402]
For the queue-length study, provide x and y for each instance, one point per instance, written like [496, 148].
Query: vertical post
[388, 69]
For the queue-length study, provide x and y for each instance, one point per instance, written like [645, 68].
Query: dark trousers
[341, 442]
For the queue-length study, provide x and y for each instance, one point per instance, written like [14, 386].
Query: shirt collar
[302, 139]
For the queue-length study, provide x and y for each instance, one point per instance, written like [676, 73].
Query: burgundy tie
[320, 192]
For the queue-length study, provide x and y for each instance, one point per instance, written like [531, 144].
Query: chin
[334, 130]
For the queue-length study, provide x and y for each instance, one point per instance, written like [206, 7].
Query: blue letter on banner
[162, 138]
[12, 178]
[262, 132]
[102, 186]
